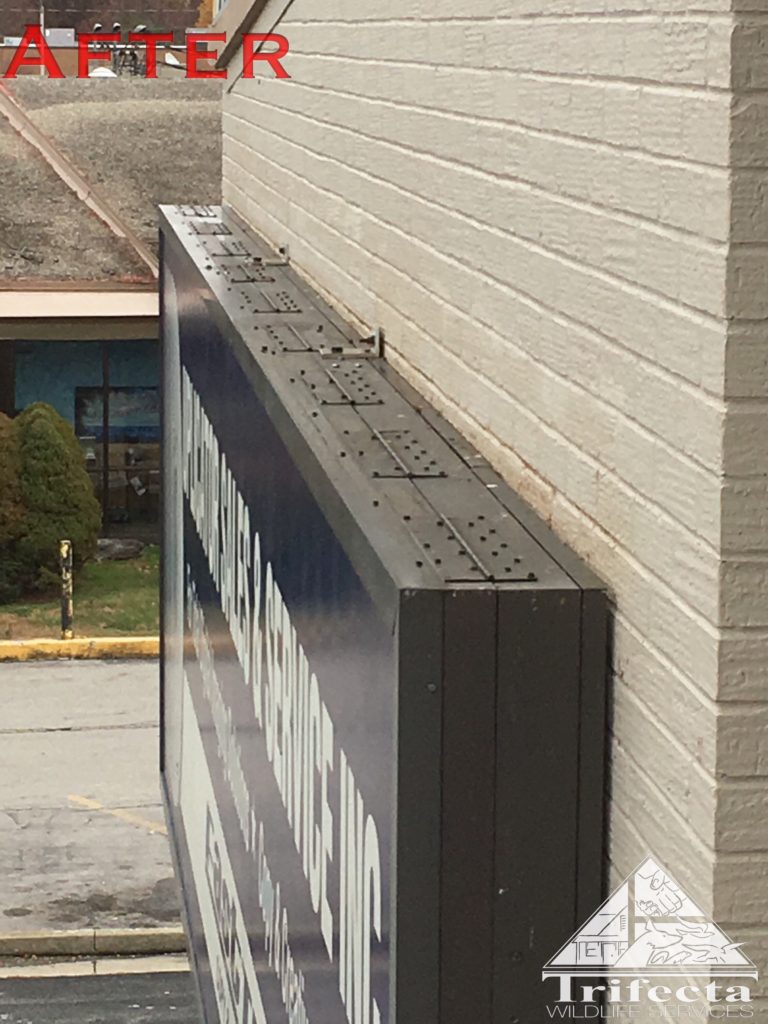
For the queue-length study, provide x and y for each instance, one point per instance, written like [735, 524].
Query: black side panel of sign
[419, 806]
[469, 771]
[537, 794]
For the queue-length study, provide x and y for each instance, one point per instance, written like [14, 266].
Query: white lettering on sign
[230, 754]
[276, 943]
[360, 901]
[299, 734]
[238, 996]
[227, 742]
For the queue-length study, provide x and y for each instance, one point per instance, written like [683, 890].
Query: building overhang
[235, 18]
[41, 313]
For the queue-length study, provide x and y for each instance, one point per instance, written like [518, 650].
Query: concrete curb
[163, 963]
[102, 941]
[101, 647]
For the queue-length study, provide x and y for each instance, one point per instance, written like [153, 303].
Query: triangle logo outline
[649, 925]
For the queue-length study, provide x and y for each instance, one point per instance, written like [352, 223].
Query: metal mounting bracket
[282, 259]
[370, 347]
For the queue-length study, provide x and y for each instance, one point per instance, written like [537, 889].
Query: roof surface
[139, 143]
[45, 230]
[162, 15]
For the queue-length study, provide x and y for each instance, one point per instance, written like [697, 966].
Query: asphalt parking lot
[81, 822]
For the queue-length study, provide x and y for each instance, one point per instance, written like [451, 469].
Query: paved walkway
[82, 836]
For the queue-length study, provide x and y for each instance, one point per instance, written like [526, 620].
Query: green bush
[11, 507]
[55, 495]
[11, 511]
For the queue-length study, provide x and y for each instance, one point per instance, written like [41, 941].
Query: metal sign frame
[495, 766]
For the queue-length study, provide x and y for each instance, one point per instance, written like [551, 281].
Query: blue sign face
[279, 705]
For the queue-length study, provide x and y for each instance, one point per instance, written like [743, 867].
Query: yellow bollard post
[67, 604]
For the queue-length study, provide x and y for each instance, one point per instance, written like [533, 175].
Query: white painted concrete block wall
[539, 204]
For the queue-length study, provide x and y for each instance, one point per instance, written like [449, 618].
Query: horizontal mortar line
[461, 414]
[749, 91]
[665, 229]
[744, 16]
[725, 704]
[677, 453]
[725, 708]
[745, 560]
[587, 141]
[564, 318]
[752, 403]
[630, 690]
[744, 857]
[750, 245]
[626, 12]
[639, 841]
[595, 13]
[705, 776]
[567, 320]
[653, 85]
[78, 728]
[676, 306]
[621, 616]
[713, 400]
[706, 700]
[679, 599]
[598, 18]
[501, 121]
[735, 566]
[664, 799]
[749, 403]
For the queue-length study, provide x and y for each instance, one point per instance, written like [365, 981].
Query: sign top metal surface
[454, 520]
